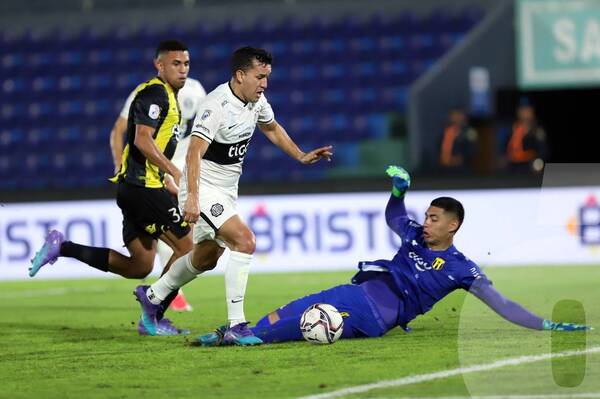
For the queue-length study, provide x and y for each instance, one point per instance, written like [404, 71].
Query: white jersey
[227, 123]
[189, 98]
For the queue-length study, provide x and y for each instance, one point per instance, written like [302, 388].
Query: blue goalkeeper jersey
[422, 276]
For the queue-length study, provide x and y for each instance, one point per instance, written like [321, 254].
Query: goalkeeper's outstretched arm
[514, 312]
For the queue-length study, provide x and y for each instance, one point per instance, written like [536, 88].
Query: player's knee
[246, 243]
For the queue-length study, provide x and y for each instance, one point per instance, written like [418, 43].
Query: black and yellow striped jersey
[154, 105]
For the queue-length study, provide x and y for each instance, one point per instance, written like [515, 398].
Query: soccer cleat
[180, 304]
[164, 328]
[149, 310]
[49, 252]
[240, 335]
[214, 338]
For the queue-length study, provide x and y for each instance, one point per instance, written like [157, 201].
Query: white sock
[180, 273]
[236, 279]
[164, 252]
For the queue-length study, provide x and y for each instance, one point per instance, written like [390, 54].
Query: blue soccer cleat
[164, 328]
[240, 335]
[49, 252]
[214, 338]
[150, 311]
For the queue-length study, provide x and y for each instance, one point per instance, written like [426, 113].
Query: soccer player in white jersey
[189, 99]
[221, 133]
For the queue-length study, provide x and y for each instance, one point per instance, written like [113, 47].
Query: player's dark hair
[170, 45]
[242, 58]
[450, 205]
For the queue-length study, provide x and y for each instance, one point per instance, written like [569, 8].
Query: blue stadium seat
[334, 80]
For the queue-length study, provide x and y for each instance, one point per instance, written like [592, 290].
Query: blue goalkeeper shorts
[361, 318]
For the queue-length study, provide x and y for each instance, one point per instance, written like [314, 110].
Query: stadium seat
[334, 80]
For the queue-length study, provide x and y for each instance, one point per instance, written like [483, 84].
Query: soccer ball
[321, 324]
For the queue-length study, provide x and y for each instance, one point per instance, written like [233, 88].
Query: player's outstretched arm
[395, 212]
[278, 136]
[516, 313]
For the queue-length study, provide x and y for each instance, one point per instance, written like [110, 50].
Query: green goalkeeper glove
[400, 180]
[552, 326]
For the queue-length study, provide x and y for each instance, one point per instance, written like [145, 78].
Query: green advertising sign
[558, 43]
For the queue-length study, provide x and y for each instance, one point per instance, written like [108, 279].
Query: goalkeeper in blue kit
[389, 293]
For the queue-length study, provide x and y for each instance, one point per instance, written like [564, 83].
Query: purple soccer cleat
[49, 252]
[164, 328]
[149, 310]
[240, 335]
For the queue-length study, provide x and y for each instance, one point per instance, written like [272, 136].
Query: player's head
[443, 218]
[172, 61]
[250, 69]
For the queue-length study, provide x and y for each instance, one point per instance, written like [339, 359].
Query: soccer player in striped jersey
[150, 212]
[189, 99]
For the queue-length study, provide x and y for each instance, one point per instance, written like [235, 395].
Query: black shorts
[149, 211]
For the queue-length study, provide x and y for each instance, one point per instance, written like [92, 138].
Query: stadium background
[375, 79]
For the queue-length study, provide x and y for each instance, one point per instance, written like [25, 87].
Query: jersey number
[175, 214]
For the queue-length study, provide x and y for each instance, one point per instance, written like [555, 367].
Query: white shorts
[216, 207]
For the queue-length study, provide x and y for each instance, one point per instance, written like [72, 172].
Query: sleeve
[208, 121]
[265, 114]
[397, 219]
[125, 111]
[149, 104]
[472, 273]
[509, 310]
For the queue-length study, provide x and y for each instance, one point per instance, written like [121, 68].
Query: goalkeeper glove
[552, 326]
[400, 180]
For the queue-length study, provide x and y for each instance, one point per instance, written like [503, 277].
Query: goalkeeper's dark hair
[242, 58]
[169, 45]
[451, 205]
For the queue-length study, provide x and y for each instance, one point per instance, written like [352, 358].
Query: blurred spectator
[526, 148]
[458, 142]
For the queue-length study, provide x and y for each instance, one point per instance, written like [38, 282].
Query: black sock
[93, 256]
[165, 304]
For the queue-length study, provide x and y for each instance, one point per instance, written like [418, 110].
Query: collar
[236, 100]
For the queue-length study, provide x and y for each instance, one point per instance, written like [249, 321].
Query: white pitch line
[49, 292]
[590, 395]
[415, 379]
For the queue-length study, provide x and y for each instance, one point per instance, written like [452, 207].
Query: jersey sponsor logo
[420, 263]
[238, 150]
[154, 111]
[246, 134]
[227, 153]
[438, 263]
[216, 209]
[205, 115]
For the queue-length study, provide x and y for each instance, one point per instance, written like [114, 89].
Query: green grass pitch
[77, 339]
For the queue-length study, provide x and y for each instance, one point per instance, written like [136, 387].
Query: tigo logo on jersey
[438, 263]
